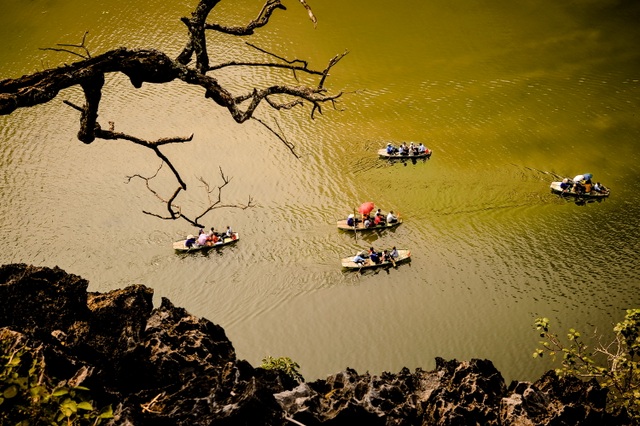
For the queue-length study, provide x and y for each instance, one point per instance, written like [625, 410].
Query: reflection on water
[509, 97]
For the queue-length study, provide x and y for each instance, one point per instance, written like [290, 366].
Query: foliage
[284, 364]
[28, 397]
[615, 365]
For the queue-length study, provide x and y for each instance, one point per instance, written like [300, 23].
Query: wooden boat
[557, 189]
[180, 246]
[342, 224]
[348, 263]
[383, 154]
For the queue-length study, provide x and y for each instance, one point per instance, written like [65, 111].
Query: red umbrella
[365, 208]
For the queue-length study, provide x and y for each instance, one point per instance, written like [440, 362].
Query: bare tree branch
[286, 143]
[82, 46]
[175, 211]
[310, 12]
[263, 19]
[216, 203]
[152, 66]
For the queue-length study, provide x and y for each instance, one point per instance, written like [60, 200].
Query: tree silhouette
[153, 66]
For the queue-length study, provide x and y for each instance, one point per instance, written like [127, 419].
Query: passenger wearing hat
[191, 240]
[391, 149]
[351, 221]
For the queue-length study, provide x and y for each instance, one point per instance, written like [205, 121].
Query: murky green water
[509, 95]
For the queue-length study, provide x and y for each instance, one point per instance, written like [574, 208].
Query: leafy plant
[284, 364]
[27, 395]
[615, 364]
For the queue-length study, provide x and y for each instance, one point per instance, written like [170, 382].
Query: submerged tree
[152, 66]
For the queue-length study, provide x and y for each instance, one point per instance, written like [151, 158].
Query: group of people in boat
[376, 257]
[208, 238]
[378, 219]
[582, 184]
[403, 149]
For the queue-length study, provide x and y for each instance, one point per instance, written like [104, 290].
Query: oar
[355, 225]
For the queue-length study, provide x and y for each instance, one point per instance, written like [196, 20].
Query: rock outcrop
[163, 366]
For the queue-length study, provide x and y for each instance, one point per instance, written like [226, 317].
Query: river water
[509, 95]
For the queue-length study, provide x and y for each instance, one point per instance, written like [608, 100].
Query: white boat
[349, 263]
[359, 226]
[181, 246]
[395, 156]
[568, 191]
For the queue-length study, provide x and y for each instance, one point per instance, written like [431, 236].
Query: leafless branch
[152, 66]
[82, 46]
[260, 21]
[216, 203]
[280, 136]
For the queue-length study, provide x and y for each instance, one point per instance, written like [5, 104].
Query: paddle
[355, 225]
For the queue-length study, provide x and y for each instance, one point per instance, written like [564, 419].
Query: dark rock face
[163, 366]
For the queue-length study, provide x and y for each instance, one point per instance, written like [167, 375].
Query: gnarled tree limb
[152, 66]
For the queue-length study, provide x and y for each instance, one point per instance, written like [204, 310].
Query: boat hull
[556, 189]
[348, 263]
[179, 246]
[383, 154]
[342, 224]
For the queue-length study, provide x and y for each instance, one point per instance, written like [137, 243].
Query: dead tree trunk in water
[152, 66]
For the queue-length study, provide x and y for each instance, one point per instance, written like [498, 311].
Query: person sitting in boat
[565, 185]
[384, 257]
[422, 149]
[359, 260]
[210, 236]
[378, 220]
[367, 222]
[374, 256]
[587, 186]
[391, 218]
[202, 239]
[600, 188]
[391, 149]
[190, 241]
[229, 232]
[351, 220]
[394, 253]
[578, 188]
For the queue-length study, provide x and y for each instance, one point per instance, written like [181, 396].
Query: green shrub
[613, 364]
[28, 396]
[284, 364]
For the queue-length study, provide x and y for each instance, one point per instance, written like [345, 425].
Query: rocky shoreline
[163, 366]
